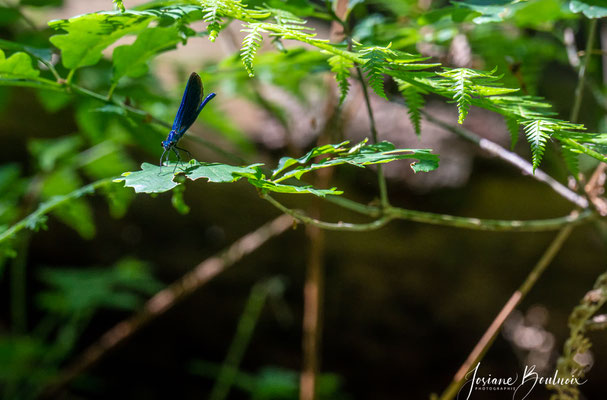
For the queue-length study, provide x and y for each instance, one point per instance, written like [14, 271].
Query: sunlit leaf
[17, 66]
[590, 8]
[131, 60]
[88, 35]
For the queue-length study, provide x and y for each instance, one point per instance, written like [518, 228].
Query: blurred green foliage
[104, 113]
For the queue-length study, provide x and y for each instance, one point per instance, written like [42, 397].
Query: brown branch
[489, 337]
[167, 298]
[512, 158]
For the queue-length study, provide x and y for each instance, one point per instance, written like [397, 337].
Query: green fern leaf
[512, 125]
[215, 10]
[414, 101]
[212, 15]
[374, 68]
[341, 66]
[250, 45]
[461, 90]
[286, 19]
[467, 85]
[571, 160]
[537, 132]
[119, 5]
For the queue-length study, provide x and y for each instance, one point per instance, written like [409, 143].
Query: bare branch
[167, 298]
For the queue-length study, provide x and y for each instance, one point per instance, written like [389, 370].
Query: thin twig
[579, 90]
[381, 179]
[32, 220]
[391, 213]
[228, 372]
[164, 300]
[495, 225]
[511, 158]
[489, 337]
[339, 226]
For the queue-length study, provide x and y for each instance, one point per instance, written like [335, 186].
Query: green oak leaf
[217, 172]
[286, 162]
[156, 179]
[17, 66]
[88, 35]
[491, 11]
[590, 8]
[151, 179]
[131, 60]
[281, 188]
[364, 154]
[43, 54]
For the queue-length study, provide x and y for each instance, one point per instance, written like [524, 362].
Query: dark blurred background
[403, 305]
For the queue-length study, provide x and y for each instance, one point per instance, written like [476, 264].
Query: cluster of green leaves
[158, 179]
[71, 296]
[160, 27]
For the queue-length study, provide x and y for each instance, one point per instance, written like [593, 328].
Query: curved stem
[512, 158]
[32, 220]
[579, 90]
[110, 92]
[489, 337]
[381, 179]
[496, 225]
[338, 226]
[392, 213]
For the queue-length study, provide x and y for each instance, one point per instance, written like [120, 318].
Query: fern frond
[341, 67]
[513, 129]
[460, 87]
[538, 131]
[215, 10]
[414, 101]
[463, 84]
[374, 67]
[120, 5]
[572, 160]
[212, 14]
[286, 19]
[250, 45]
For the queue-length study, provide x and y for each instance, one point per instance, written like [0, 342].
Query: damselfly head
[167, 144]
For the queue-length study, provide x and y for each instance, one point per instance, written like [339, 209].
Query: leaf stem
[514, 159]
[244, 331]
[579, 90]
[110, 92]
[70, 77]
[582, 148]
[339, 226]
[381, 179]
[31, 220]
[392, 213]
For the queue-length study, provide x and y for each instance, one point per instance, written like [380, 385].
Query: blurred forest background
[402, 306]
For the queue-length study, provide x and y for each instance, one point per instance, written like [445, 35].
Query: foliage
[578, 344]
[121, 112]
[158, 179]
[70, 298]
[89, 34]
